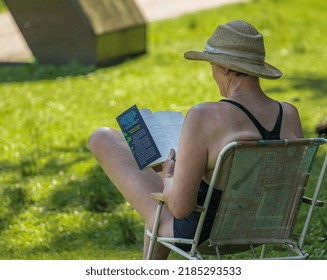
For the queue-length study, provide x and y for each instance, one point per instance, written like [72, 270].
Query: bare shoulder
[205, 109]
[292, 126]
[203, 106]
[289, 108]
[205, 120]
[207, 115]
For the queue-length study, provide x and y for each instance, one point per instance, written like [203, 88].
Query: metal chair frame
[220, 247]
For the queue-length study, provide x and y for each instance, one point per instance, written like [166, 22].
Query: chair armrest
[159, 197]
[308, 200]
[199, 208]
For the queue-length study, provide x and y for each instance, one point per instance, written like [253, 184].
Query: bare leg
[160, 251]
[112, 152]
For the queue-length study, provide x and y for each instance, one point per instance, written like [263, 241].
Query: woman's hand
[169, 165]
[168, 168]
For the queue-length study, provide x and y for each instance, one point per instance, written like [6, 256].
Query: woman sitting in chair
[237, 55]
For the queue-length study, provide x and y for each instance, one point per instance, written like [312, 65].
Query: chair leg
[312, 206]
[263, 251]
[254, 252]
[217, 252]
[288, 248]
[154, 232]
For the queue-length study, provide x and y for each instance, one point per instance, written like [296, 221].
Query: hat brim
[247, 66]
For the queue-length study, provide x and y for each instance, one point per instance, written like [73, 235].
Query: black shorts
[186, 227]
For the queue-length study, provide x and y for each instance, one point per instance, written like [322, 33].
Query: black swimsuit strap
[266, 135]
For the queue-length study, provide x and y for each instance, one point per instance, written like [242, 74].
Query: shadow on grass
[21, 72]
[316, 85]
[11, 72]
[310, 82]
[91, 191]
[94, 192]
[104, 222]
[107, 231]
[95, 237]
[14, 200]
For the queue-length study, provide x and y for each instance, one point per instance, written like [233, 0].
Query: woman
[236, 52]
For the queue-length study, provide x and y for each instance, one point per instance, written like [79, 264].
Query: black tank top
[266, 135]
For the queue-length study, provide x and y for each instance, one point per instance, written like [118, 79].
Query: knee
[100, 138]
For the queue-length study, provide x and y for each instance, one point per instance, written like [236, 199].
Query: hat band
[212, 50]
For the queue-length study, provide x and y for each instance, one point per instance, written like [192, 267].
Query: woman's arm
[182, 178]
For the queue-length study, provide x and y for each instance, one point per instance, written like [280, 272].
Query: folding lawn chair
[264, 183]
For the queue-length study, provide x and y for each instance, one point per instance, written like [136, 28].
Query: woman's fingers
[169, 164]
[172, 154]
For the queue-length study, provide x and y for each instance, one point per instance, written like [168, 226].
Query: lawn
[2, 6]
[55, 201]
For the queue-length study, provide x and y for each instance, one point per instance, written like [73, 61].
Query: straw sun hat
[238, 46]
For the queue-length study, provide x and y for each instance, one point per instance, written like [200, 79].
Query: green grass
[3, 7]
[55, 201]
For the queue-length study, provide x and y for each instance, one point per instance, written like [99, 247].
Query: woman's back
[227, 122]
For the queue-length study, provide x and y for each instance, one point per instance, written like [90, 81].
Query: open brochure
[150, 135]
